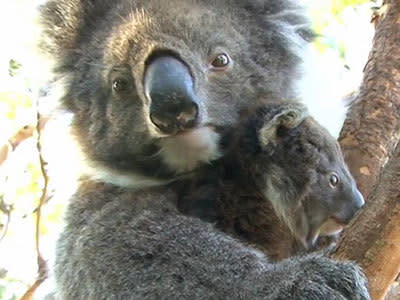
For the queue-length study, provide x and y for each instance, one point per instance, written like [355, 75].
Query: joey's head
[300, 169]
[154, 86]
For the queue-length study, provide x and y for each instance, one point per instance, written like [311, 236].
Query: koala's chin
[187, 150]
[180, 155]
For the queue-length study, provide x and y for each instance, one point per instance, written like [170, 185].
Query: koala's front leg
[317, 277]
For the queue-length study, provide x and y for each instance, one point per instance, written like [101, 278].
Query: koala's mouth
[332, 226]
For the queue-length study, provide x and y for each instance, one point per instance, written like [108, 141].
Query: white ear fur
[289, 117]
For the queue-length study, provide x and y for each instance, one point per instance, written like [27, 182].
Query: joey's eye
[120, 85]
[220, 61]
[333, 180]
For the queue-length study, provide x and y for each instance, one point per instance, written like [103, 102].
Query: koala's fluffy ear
[65, 23]
[288, 117]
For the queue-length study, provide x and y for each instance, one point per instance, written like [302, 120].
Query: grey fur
[136, 245]
[133, 244]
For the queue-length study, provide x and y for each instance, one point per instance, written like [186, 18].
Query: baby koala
[283, 185]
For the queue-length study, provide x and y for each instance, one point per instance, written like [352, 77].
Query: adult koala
[138, 72]
[155, 88]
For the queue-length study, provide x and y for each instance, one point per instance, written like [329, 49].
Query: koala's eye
[120, 85]
[333, 180]
[220, 61]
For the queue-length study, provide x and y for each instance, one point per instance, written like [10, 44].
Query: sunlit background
[336, 58]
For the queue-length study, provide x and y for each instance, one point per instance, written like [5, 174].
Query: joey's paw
[322, 278]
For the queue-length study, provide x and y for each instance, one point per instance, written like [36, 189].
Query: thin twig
[42, 264]
[6, 209]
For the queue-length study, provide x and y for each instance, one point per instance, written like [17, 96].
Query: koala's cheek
[219, 110]
[314, 216]
[301, 227]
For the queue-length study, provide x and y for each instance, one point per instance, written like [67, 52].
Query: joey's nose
[352, 207]
[169, 87]
[359, 199]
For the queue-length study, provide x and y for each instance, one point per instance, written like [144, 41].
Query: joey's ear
[290, 116]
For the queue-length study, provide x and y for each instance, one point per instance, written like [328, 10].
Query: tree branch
[369, 140]
[13, 142]
[376, 234]
[371, 130]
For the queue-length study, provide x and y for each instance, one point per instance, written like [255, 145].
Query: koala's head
[300, 169]
[155, 85]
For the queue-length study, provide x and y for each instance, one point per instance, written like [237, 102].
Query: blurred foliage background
[340, 52]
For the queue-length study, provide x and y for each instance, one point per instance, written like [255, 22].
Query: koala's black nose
[169, 86]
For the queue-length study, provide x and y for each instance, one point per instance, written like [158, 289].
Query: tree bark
[374, 239]
[369, 140]
[371, 130]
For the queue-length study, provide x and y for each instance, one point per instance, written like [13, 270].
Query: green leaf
[13, 67]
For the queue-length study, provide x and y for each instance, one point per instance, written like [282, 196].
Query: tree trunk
[369, 140]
